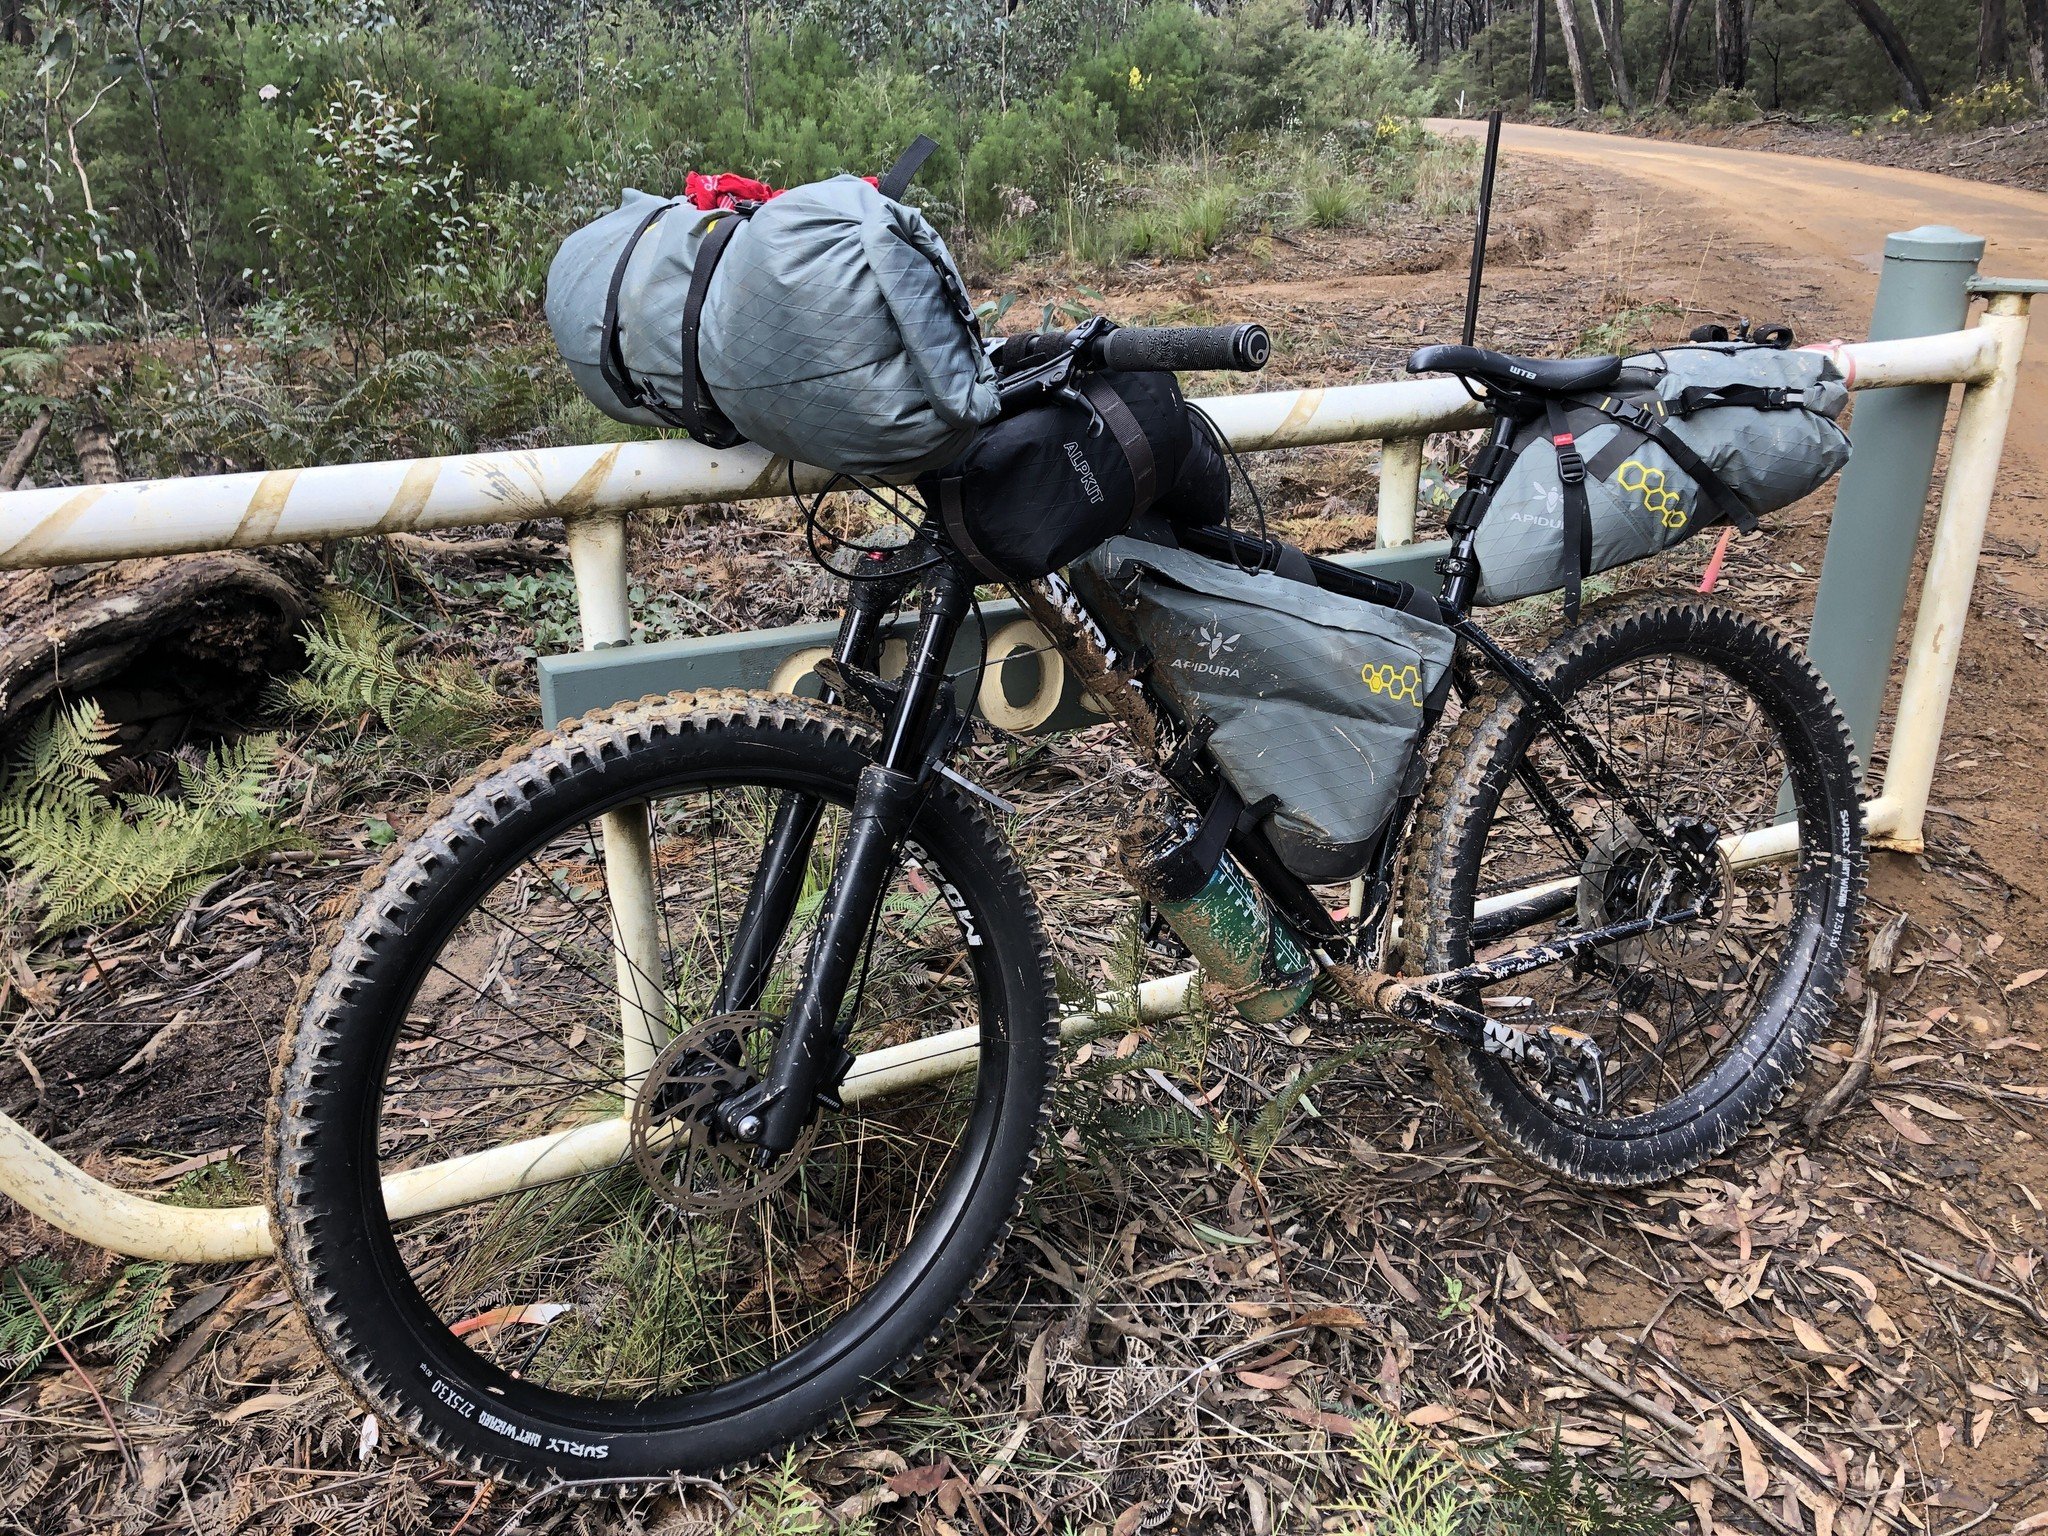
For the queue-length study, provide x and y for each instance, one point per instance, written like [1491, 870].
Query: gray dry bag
[828, 324]
[1317, 700]
[1688, 437]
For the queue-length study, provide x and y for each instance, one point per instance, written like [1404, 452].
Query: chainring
[673, 1132]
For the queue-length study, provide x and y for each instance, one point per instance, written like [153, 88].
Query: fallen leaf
[1879, 1322]
[366, 1440]
[916, 1482]
[1756, 1477]
[1902, 1121]
[2026, 978]
[1433, 1413]
[1811, 1338]
[263, 1402]
[535, 1314]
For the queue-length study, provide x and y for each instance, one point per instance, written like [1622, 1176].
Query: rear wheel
[655, 1302]
[1717, 728]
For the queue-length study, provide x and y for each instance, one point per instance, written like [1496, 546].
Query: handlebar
[1140, 349]
[1175, 349]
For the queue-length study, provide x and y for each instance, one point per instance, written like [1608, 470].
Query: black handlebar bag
[1040, 488]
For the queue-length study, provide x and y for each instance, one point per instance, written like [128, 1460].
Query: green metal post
[1922, 290]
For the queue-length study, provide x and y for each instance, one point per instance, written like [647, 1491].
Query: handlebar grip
[1177, 349]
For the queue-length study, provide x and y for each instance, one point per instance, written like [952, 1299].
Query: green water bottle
[1247, 950]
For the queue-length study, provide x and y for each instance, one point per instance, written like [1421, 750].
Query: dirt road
[1833, 213]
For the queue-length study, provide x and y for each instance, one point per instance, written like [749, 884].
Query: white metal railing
[594, 489]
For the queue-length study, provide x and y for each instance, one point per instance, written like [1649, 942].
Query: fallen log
[158, 641]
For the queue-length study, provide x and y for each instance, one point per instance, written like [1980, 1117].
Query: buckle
[1570, 467]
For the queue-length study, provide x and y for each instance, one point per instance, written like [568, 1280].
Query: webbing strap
[895, 181]
[611, 357]
[1130, 437]
[1728, 506]
[953, 515]
[1578, 515]
[699, 412]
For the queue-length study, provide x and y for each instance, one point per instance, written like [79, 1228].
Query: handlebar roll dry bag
[833, 327]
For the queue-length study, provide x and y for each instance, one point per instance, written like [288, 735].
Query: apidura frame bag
[1689, 438]
[1314, 703]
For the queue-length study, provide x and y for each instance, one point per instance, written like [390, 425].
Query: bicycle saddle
[1518, 375]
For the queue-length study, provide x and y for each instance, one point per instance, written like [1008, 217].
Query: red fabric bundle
[723, 189]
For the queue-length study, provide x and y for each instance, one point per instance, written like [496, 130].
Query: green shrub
[1725, 108]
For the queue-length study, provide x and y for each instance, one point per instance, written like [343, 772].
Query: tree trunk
[1731, 43]
[1912, 84]
[1568, 25]
[1991, 54]
[1681, 11]
[2035, 14]
[1609, 25]
[1539, 66]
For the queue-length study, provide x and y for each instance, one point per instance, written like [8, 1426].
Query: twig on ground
[1600, 1378]
[121, 1440]
[1964, 1280]
[1877, 970]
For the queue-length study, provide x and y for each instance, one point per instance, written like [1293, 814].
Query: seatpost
[809, 1055]
[1481, 481]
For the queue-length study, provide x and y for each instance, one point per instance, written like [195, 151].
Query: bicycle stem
[810, 1056]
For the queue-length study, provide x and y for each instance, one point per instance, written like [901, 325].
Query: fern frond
[355, 666]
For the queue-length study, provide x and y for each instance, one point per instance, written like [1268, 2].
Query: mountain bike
[659, 1101]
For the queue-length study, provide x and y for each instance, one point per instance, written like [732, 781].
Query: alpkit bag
[1052, 481]
[1313, 702]
[1686, 438]
[829, 324]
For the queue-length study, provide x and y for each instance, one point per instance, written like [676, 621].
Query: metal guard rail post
[594, 489]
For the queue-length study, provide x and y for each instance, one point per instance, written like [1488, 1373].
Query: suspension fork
[779, 878]
[810, 1056]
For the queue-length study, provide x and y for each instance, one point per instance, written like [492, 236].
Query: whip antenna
[1479, 234]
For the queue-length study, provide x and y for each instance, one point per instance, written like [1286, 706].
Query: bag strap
[611, 357]
[953, 515]
[1754, 397]
[1728, 506]
[1578, 515]
[700, 413]
[895, 181]
[1130, 437]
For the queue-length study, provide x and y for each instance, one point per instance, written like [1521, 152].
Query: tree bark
[1539, 66]
[1575, 55]
[1731, 43]
[1609, 26]
[1912, 84]
[1991, 52]
[1681, 12]
[2035, 14]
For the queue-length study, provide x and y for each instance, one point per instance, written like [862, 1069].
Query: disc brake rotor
[673, 1134]
[1624, 877]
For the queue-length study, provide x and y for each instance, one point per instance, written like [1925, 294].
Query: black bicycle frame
[810, 1056]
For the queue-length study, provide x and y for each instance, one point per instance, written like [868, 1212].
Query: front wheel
[1723, 742]
[501, 1197]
